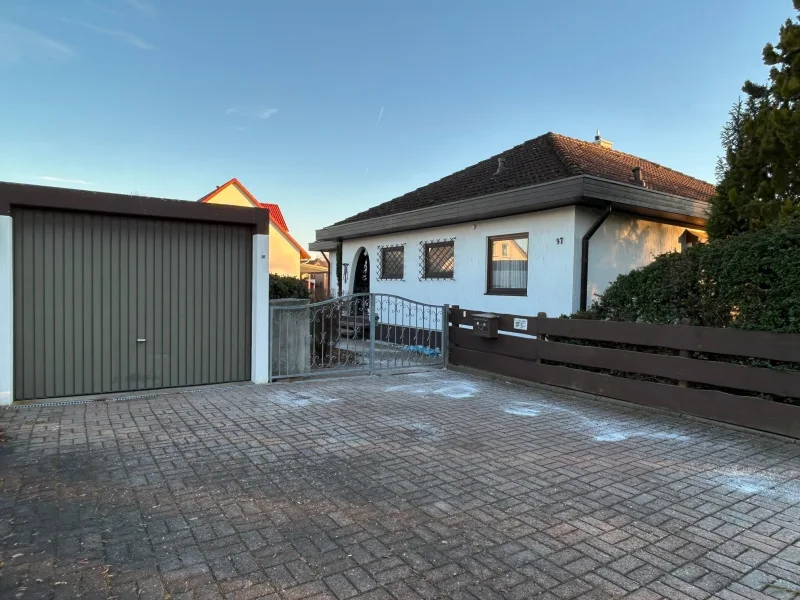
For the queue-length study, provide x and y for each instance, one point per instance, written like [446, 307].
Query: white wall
[6, 311]
[623, 243]
[550, 265]
[259, 354]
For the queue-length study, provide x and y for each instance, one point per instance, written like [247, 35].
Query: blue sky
[328, 108]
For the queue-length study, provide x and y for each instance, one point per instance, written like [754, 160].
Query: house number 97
[559, 240]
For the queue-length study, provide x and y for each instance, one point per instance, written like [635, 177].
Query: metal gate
[360, 333]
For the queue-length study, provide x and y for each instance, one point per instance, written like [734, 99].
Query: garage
[119, 293]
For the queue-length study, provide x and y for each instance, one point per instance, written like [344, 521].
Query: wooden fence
[685, 359]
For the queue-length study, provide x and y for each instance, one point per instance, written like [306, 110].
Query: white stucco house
[542, 227]
[285, 253]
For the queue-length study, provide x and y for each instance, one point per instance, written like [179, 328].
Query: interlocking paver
[416, 486]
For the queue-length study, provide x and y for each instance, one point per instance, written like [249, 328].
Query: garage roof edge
[47, 197]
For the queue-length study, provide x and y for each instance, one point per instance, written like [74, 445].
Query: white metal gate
[359, 333]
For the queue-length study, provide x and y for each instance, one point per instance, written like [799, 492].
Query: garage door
[106, 304]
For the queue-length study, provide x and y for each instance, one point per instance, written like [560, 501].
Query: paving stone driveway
[430, 485]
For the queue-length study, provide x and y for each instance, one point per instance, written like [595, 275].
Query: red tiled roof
[275, 214]
[545, 158]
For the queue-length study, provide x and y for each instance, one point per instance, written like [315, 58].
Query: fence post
[684, 353]
[372, 323]
[539, 340]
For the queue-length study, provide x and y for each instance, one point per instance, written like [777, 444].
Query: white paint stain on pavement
[760, 483]
[522, 411]
[299, 399]
[601, 430]
[457, 391]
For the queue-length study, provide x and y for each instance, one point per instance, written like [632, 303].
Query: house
[285, 253]
[315, 272]
[542, 227]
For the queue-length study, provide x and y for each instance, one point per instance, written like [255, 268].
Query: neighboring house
[285, 253]
[315, 273]
[542, 227]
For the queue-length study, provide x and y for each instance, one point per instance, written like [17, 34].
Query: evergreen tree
[759, 177]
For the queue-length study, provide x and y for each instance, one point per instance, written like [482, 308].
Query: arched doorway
[360, 273]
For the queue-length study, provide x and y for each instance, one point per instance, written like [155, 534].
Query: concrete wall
[284, 257]
[6, 311]
[623, 243]
[550, 268]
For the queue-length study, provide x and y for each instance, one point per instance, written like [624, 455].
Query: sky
[329, 108]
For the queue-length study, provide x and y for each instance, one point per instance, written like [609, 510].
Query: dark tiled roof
[546, 158]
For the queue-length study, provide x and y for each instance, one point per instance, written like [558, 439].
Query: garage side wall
[6, 311]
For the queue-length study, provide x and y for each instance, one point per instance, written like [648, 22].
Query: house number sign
[521, 324]
[559, 240]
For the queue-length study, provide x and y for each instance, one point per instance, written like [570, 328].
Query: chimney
[501, 165]
[601, 142]
[637, 177]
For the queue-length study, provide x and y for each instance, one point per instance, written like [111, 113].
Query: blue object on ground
[423, 350]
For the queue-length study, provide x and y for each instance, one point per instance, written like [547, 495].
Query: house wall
[550, 268]
[623, 243]
[284, 257]
[231, 195]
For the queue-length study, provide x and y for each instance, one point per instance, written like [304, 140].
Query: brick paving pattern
[430, 485]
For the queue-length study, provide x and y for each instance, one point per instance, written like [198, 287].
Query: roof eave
[577, 190]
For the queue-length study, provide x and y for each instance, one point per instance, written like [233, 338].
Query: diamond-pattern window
[439, 260]
[392, 260]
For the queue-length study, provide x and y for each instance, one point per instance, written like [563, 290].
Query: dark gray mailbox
[485, 325]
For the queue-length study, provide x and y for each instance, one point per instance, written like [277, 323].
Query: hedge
[749, 281]
[285, 286]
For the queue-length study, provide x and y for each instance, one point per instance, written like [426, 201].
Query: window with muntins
[439, 259]
[507, 272]
[392, 262]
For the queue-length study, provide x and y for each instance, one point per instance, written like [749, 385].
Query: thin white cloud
[379, 116]
[142, 6]
[18, 42]
[123, 36]
[62, 180]
[258, 113]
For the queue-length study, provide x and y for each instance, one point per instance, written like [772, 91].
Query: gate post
[259, 353]
[446, 334]
[372, 320]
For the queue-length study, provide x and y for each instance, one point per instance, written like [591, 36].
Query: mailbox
[485, 325]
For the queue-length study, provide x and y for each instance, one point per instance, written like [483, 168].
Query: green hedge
[285, 286]
[749, 281]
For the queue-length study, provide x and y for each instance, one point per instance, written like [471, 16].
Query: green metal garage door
[107, 304]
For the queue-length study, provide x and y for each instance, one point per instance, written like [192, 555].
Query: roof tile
[548, 157]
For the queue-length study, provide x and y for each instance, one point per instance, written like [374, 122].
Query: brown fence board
[755, 344]
[745, 411]
[741, 377]
[504, 345]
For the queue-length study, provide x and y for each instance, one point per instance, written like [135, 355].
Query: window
[392, 259]
[508, 265]
[439, 259]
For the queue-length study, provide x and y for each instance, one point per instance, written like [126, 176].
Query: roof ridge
[570, 164]
[629, 155]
